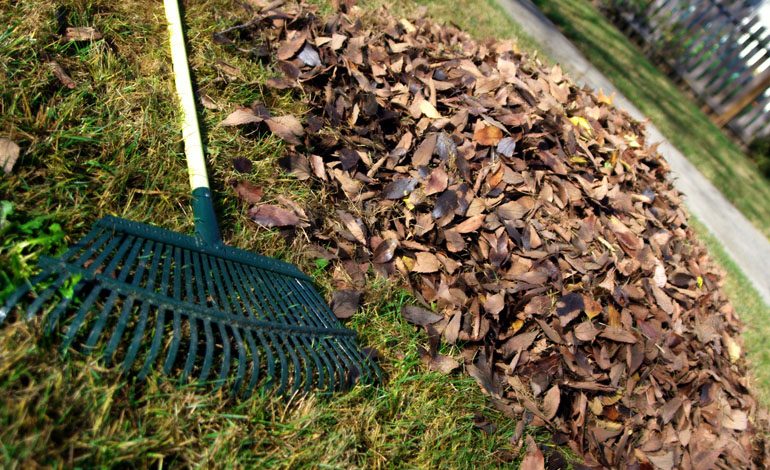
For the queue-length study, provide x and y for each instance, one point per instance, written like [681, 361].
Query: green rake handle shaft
[203, 208]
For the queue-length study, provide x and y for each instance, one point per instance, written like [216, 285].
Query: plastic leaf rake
[143, 295]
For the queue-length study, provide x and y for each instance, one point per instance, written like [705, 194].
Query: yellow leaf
[632, 141]
[699, 281]
[516, 325]
[604, 98]
[429, 110]
[582, 123]
[596, 406]
[408, 262]
[578, 159]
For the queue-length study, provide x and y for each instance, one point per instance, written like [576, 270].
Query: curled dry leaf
[354, 226]
[551, 402]
[82, 33]
[533, 459]
[269, 215]
[9, 153]
[438, 362]
[62, 75]
[400, 188]
[429, 110]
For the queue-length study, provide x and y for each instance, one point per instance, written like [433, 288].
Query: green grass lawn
[677, 117]
[111, 145]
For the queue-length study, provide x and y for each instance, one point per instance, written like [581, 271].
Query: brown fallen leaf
[354, 226]
[345, 303]
[62, 75]
[269, 215]
[438, 362]
[487, 135]
[419, 316]
[9, 153]
[248, 192]
[286, 127]
[82, 33]
[426, 263]
[242, 116]
[470, 225]
[429, 110]
[551, 402]
[533, 459]
[586, 331]
[385, 251]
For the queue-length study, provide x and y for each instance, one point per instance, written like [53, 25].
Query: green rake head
[145, 296]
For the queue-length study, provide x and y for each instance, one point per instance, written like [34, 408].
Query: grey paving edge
[743, 242]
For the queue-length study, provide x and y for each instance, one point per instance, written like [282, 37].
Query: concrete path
[742, 241]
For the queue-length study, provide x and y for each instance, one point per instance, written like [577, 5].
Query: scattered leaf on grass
[248, 192]
[286, 127]
[420, 316]
[269, 215]
[82, 33]
[345, 303]
[62, 75]
[533, 459]
[242, 165]
[241, 116]
[9, 153]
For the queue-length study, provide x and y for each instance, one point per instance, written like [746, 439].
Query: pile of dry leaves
[530, 213]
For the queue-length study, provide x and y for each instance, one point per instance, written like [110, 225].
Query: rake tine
[53, 318]
[213, 270]
[284, 368]
[185, 272]
[254, 364]
[158, 336]
[85, 307]
[99, 324]
[152, 354]
[63, 276]
[41, 298]
[233, 287]
[250, 295]
[138, 333]
[190, 296]
[271, 300]
[318, 307]
[176, 339]
[26, 288]
[203, 300]
[241, 373]
[209, 354]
